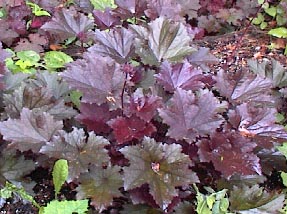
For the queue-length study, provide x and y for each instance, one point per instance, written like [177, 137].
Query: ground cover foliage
[119, 91]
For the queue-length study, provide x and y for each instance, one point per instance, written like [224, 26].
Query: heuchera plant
[153, 120]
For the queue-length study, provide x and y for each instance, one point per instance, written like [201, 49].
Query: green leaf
[23, 64]
[202, 207]
[60, 174]
[260, 2]
[103, 4]
[210, 199]
[283, 149]
[284, 178]
[66, 207]
[263, 25]
[214, 203]
[281, 19]
[11, 188]
[162, 166]
[271, 11]
[75, 97]
[258, 20]
[56, 59]
[6, 192]
[280, 32]
[31, 56]
[37, 10]
[101, 185]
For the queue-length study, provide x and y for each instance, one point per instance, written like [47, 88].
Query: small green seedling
[214, 202]
[37, 10]
[103, 4]
[56, 59]
[23, 61]
[60, 174]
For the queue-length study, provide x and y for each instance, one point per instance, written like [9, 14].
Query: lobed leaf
[243, 86]
[128, 128]
[31, 131]
[181, 75]
[67, 23]
[143, 105]
[117, 44]
[245, 198]
[230, 154]
[78, 150]
[101, 185]
[163, 39]
[258, 123]
[162, 166]
[189, 116]
[100, 79]
[275, 72]
[95, 117]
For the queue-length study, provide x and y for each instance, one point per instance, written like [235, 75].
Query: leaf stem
[122, 94]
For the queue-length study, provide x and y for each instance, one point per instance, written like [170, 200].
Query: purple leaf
[3, 69]
[78, 150]
[129, 9]
[100, 79]
[230, 154]
[117, 44]
[254, 199]
[163, 8]
[95, 117]
[274, 71]
[9, 34]
[14, 168]
[258, 123]
[35, 43]
[101, 185]
[202, 57]
[189, 116]
[243, 86]
[67, 23]
[189, 7]
[31, 131]
[143, 106]
[105, 20]
[163, 39]
[162, 166]
[181, 75]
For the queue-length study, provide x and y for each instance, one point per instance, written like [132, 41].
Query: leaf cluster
[134, 112]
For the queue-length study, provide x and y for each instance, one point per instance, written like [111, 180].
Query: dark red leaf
[95, 117]
[144, 106]
[230, 154]
[128, 128]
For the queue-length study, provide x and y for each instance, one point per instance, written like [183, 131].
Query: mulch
[235, 48]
